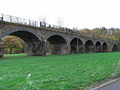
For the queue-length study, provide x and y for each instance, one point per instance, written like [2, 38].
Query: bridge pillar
[1, 49]
[102, 49]
[60, 49]
[94, 49]
[36, 49]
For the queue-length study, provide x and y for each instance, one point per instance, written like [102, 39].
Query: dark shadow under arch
[56, 34]
[21, 29]
[115, 48]
[89, 46]
[98, 47]
[105, 47]
[58, 44]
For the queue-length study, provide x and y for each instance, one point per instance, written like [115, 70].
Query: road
[112, 86]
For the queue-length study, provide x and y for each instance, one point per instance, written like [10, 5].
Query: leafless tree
[60, 22]
[42, 19]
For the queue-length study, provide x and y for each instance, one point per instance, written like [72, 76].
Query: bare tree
[42, 21]
[60, 22]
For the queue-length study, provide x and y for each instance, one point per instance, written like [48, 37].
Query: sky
[73, 13]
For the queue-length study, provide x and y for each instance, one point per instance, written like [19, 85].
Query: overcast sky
[74, 13]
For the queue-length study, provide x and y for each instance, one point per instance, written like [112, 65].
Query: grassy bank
[19, 71]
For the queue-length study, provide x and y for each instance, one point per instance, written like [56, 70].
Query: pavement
[107, 84]
[112, 86]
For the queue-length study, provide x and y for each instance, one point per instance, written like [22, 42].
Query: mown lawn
[54, 72]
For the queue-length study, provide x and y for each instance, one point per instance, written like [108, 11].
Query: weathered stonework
[62, 42]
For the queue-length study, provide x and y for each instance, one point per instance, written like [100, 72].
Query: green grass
[56, 72]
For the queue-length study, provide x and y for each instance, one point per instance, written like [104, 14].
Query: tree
[48, 47]
[60, 22]
[85, 31]
[42, 21]
[95, 32]
[12, 45]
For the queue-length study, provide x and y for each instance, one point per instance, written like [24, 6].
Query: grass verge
[53, 72]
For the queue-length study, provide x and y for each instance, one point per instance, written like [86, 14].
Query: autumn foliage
[112, 33]
[12, 44]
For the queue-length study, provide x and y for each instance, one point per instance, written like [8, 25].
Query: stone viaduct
[62, 41]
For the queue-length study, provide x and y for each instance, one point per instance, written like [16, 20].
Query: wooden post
[10, 18]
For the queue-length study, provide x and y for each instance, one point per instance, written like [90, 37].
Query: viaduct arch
[98, 47]
[58, 43]
[115, 48]
[89, 46]
[76, 45]
[105, 47]
[32, 39]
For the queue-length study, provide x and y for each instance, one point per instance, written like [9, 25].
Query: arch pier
[115, 48]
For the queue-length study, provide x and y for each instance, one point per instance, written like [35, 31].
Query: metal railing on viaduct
[23, 21]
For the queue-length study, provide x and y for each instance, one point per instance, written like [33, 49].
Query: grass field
[56, 72]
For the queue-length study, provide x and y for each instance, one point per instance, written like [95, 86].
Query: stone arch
[105, 47]
[58, 44]
[33, 40]
[57, 34]
[76, 45]
[98, 47]
[20, 29]
[89, 46]
[115, 48]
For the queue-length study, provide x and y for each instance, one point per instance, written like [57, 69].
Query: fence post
[10, 18]
[2, 17]
[29, 22]
[17, 20]
[35, 23]
[40, 24]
